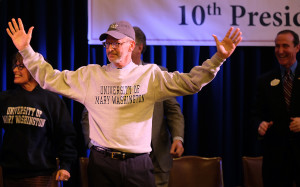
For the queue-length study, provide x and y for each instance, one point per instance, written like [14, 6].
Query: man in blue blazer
[167, 123]
[277, 115]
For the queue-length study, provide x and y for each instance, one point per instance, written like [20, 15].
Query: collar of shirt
[293, 69]
[130, 64]
[141, 62]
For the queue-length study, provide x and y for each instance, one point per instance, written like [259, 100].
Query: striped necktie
[287, 87]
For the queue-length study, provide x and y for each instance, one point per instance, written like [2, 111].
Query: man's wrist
[178, 138]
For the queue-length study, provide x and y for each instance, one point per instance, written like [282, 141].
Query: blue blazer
[270, 106]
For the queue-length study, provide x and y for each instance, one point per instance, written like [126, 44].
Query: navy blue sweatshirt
[38, 129]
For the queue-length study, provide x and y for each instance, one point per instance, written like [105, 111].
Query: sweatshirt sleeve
[65, 136]
[71, 84]
[179, 84]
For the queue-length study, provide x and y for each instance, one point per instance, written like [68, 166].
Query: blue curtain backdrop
[217, 118]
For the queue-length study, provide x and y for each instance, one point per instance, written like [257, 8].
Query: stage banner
[192, 22]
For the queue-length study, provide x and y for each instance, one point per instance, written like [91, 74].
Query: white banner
[192, 22]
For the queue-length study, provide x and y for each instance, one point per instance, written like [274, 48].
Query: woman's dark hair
[17, 58]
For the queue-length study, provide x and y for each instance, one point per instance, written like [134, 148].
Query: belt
[115, 154]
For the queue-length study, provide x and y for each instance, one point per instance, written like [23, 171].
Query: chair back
[252, 168]
[195, 171]
[83, 163]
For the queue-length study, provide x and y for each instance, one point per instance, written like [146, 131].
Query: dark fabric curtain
[217, 119]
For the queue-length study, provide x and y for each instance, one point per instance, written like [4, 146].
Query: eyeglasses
[20, 66]
[114, 45]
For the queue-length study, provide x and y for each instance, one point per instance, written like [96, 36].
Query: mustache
[112, 53]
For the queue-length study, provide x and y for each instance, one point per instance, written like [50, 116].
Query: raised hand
[226, 47]
[20, 38]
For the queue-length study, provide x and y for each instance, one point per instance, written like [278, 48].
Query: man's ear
[132, 46]
[298, 48]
